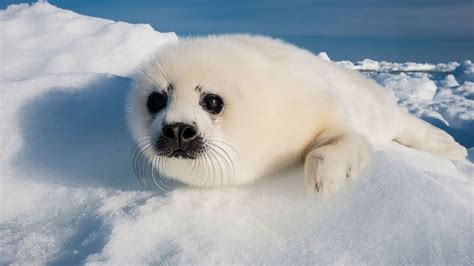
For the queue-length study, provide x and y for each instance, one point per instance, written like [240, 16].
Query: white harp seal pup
[229, 109]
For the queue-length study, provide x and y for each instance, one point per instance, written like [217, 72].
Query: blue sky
[395, 30]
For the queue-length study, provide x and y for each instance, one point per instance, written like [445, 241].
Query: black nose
[180, 132]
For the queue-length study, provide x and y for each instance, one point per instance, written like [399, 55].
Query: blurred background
[393, 30]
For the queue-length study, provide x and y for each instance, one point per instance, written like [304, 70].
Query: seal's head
[211, 112]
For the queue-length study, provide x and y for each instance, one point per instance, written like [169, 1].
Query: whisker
[215, 152]
[225, 143]
[197, 166]
[144, 163]
[208, 165]
[138, 157]
[153, 176]
[211, 163]
[206, 170]
[214, 160]
[161, 177]
[228, 161]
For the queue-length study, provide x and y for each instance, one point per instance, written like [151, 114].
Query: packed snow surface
[43, 39]
[68, 194]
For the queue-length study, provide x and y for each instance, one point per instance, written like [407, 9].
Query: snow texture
[68, 194]
[69, 42]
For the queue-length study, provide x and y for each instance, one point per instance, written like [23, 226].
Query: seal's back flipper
[419, 134]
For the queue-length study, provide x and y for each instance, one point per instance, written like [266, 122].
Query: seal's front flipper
[334, 158]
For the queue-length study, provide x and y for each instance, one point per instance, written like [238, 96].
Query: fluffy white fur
[282, 105]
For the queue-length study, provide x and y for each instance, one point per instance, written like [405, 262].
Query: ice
[449, 81]
[324, 56]
[465, 71]
[383, 66]
[436, 98]
[442, 94]
[43, 39]
[68, 194]
[404, 87]
[466, 90]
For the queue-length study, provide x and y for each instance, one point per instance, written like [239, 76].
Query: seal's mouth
[181, 154]
[176, 149]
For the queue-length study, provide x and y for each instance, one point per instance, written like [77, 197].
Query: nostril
[168, 132]
[189, 132]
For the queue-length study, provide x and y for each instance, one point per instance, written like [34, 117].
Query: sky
[393, 30]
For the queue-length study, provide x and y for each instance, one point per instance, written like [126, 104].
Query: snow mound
[404, 87]
[68, 194]
[465, 72]
[449, 81]
[324, 56]
[43, 39]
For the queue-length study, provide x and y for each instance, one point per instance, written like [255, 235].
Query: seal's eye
[212, 103]
[156, 102]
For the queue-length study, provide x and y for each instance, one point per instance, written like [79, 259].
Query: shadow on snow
[79, 136]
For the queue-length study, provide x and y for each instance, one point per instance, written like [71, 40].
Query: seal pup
[229, 109]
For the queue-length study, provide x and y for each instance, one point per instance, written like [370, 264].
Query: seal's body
[229, 109]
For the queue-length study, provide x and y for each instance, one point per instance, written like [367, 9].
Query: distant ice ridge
[68, 195]
[383, 66]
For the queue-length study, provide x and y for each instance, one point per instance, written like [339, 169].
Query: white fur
[282, 105]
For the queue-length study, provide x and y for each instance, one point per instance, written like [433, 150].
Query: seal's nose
[181, 133]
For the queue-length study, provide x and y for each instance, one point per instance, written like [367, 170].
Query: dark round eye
[212, 103]
[156, 102]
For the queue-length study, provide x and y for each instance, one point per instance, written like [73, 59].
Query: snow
[69, 42]
[383, 66]
[445, 99]
[324, 56]
[68, 194]
[405, 87]
[465, 71]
